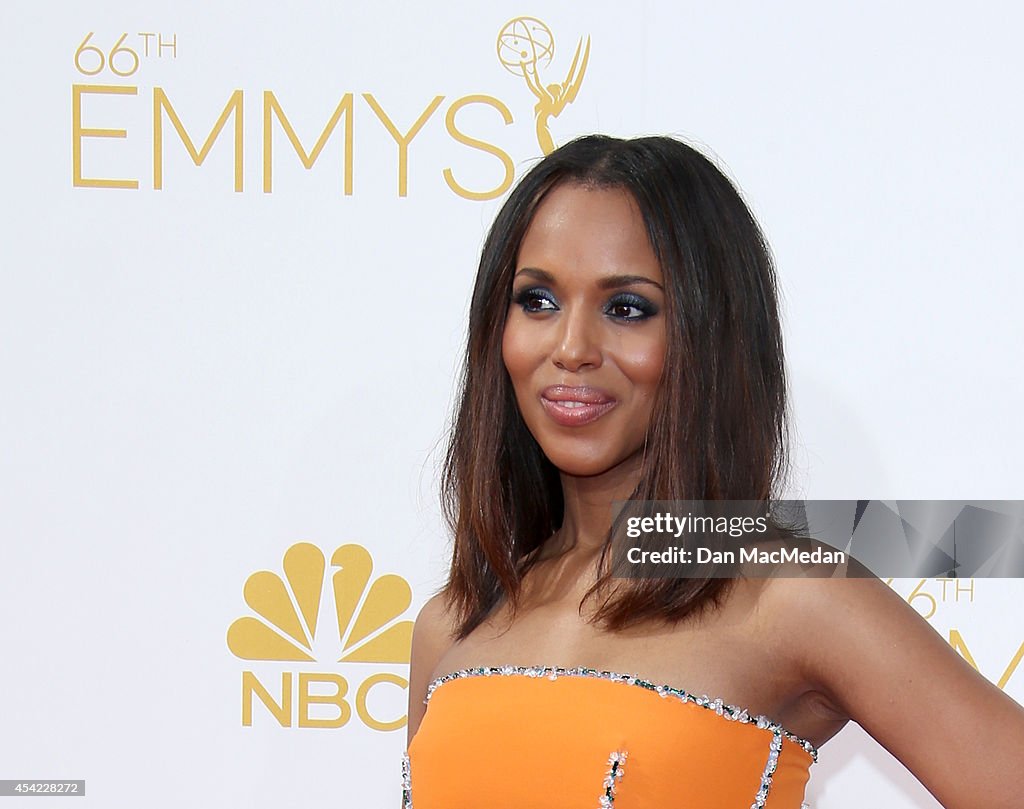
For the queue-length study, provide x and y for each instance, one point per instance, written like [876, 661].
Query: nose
[577, 345]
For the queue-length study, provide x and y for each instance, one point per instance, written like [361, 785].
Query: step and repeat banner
[238, 246]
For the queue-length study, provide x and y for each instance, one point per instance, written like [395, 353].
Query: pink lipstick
[575, 406]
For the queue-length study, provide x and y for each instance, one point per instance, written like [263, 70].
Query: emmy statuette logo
[284, 628]
[525, 47]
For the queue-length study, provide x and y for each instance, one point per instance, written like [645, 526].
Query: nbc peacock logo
[289, 610]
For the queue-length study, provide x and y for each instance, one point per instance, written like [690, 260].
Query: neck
[588, 509]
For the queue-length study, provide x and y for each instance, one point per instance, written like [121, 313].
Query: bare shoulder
[432, 635]
[435, 616]
[885, 667]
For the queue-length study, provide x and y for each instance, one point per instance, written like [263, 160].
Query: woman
[624, 343]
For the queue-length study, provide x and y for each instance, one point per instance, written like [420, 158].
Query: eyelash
[627, 299]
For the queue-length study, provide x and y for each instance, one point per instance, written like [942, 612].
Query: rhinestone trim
[769, 770]
[726, 711]
[406, 783]
[616, 762]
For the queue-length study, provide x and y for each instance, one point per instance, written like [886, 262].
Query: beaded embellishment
[729, 712]
[406, 783]
[769, 770]
[616, 761]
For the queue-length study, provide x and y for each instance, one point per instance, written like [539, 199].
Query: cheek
[516, 351]
[642, 359]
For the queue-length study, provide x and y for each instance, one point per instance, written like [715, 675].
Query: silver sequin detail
[616, 764]
[769, 770]
[726, 711]
[406, 783]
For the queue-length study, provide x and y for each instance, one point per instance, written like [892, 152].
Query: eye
[535, 299]
[629, 306]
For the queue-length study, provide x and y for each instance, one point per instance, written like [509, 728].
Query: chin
[582, 465]
[579, 469]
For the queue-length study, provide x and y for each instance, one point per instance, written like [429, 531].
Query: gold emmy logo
[367, 628]
[525, 46]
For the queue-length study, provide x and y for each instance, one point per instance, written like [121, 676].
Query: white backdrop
[196, 379]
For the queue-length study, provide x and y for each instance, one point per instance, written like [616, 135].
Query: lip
[572, 406]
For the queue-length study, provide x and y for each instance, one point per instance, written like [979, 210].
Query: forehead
[579, 228]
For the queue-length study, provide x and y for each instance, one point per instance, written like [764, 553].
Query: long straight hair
[718, 426]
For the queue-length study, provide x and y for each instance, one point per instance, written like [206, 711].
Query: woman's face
[584, 340]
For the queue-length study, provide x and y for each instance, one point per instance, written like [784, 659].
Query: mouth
[575, 406]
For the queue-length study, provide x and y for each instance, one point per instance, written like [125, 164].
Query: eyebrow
[607, 282]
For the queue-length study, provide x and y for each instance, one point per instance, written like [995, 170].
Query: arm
[533, 82]
[431, 637]
[884, 665]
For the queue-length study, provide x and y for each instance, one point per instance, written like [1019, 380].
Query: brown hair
[718, 428]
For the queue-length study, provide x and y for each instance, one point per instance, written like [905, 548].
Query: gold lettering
[282, 713]
[78, 132]
[161, 102]
[958, 588]
[338, 698]
[1010, 669]
[173, 45]
[956, 640]
[271, 107]
[364, 690]
[490, 148]
[403, 141]
[917, 593]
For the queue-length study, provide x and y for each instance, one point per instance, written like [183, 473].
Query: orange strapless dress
[543, 737]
